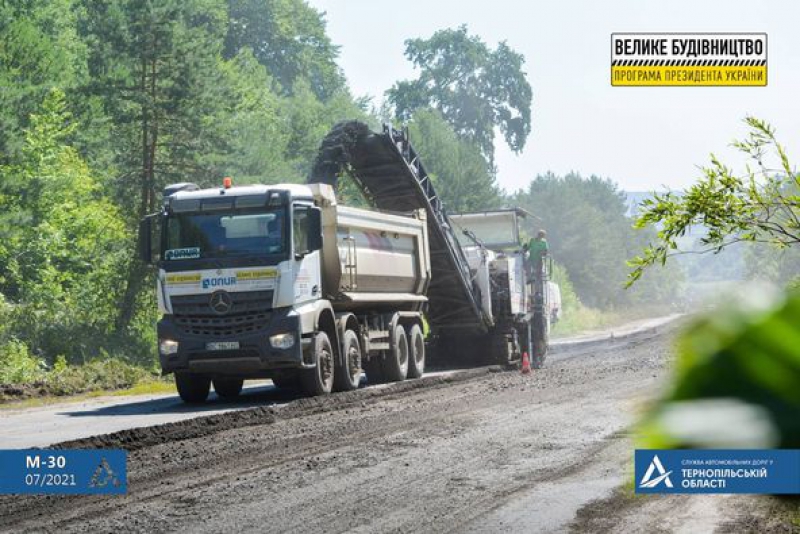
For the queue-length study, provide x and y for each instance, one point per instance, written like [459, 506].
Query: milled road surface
[481, 451]
[65, 421]
[40, 426]
[472, 451]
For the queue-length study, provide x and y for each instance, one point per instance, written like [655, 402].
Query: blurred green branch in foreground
[737, 382]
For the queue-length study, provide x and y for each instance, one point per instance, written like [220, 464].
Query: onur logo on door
[219, 281]
[649, 481]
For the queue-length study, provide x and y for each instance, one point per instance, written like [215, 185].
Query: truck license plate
[222, 345]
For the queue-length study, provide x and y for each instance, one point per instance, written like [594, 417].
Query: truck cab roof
[190, 198]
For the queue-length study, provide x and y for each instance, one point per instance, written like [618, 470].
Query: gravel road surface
[70, 420]
[478, 451]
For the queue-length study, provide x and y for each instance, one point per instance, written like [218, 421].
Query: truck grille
[249, 313]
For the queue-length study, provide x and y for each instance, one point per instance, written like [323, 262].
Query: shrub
[96, 375]
[18, 366]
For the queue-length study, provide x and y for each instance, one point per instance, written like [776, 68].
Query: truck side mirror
[146, 240]
[314, 221]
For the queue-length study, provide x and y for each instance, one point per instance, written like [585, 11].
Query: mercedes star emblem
[220, 302]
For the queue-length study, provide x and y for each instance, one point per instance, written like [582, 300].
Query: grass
[24, 377]
[583, 319]
[152, 386]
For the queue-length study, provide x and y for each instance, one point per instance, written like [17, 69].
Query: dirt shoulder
[624, 512]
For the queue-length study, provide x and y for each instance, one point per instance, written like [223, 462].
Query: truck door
[306, 265]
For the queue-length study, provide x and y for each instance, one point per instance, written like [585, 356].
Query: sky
[643, 138]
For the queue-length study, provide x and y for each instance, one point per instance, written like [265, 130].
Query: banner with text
[772, 471]
[89, 471]
[689, 59]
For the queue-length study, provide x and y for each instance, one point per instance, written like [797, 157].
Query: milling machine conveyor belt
[390, 174]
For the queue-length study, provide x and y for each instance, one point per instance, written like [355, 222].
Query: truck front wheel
[286, 380]
[228, 388]
[319, 380]
[192, 388]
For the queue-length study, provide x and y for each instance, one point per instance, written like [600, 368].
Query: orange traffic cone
[526, 363]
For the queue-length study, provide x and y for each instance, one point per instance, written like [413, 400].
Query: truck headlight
[282, 341]
[167, 347]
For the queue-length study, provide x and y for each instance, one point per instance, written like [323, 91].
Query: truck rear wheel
[416, 343]
[319, 380]
[347, 374]
[228, 388]
[192, 388]
[395, 366]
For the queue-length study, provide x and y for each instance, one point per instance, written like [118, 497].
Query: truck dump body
[382, 259]
[390, 174]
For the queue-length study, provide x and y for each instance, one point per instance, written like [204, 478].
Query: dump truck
[284, 282]
[279, 281]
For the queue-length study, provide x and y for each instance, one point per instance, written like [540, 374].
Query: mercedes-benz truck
[280, 282]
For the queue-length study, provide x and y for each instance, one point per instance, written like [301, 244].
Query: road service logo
[648, 480]
[689, 59]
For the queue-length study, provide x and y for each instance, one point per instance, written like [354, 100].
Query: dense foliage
[740, 368]
[105, 102]
[458, 170]
[590, 235]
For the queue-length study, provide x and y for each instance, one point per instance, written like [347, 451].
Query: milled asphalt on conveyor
[67, 421]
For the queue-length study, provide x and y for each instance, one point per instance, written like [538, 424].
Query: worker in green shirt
[537, 250]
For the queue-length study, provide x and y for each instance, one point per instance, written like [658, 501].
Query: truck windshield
[225, 234]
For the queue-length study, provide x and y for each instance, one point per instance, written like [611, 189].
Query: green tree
[287, 37]
[155, 66]
[591, 236]
[310, 119]
[460, 174]
[763, 261]
[761, 205]
[64, 266]
[39, 50]
[254, 123]
[475, 88]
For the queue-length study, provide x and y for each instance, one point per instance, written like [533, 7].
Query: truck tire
[286, 380]
[347, 373]
[228, 388]
[374, 369]
[192, 388]
[416, 344]
[395, 366]
[319, 380]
